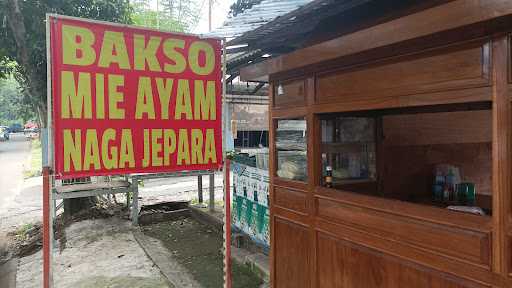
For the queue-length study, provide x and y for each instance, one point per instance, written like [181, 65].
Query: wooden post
[501, 154]
[48, 208]
[200, 188]
[314, 167]
[211, 189]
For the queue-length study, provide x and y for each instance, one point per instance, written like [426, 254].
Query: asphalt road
[13, 154]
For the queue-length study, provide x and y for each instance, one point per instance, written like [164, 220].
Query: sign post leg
[47, 222]
[211, 190]
[135, 201]
[227, 225]
[200, 189]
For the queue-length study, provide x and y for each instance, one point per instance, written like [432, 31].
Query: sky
[220, 11]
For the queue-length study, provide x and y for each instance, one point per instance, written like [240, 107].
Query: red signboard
[133, 100]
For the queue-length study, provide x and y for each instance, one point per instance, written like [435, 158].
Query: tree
[156, 20]
[23, 39]
[186, 12]
[12, 110]
[241, 5]
[174, 15]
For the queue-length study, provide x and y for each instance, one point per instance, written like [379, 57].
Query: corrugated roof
[321, 20]
[256, 16]
[299, 21]
[275, 27]
[267, 17]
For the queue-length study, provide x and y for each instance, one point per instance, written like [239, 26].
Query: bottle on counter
[470, 193]
[328, 177]
[438, 187]
[461, 194]
[446, 193]
[450, 186]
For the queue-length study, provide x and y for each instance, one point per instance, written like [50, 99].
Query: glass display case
[291, 149]
[348, 150]
[428, 157]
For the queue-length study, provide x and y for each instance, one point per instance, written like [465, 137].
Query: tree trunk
[42, 116]
[17, 25]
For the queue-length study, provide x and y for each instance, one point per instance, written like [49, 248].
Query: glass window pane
[348, 150]
[433, 156]
[291, 149]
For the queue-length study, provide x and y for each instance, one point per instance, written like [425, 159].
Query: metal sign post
[227, 225]
[47, 171]
[47, 223]
[227, 195]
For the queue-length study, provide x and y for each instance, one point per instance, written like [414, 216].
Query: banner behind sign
[250, 202]
[129, 99]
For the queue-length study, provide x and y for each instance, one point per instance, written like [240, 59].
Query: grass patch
[198, 248]
[35, 165]
[22, 232]
[206, 201]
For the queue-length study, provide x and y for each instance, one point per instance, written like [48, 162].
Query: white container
[262, 160]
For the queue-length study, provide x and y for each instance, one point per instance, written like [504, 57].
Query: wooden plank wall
[322, 237]
[408, 81]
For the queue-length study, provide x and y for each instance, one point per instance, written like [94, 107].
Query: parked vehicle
[30, 127]
[4, 133]
[16, 128]
[32, 133]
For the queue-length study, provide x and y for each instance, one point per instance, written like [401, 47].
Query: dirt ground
[97, 253]
[198, 248]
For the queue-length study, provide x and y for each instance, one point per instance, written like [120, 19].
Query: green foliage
[22, 232]
[231, 154]
[185, 12]
[23, 36]
[149, 19]
[12, 109]
[241, 5]
[30, 71]
[35, 166]
[173, 15]
[6, 67]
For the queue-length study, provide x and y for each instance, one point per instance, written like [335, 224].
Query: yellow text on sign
[78, 49]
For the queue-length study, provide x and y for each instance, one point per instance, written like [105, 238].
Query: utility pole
[210, 4]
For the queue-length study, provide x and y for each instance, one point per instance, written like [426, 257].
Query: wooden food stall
[375, 134]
